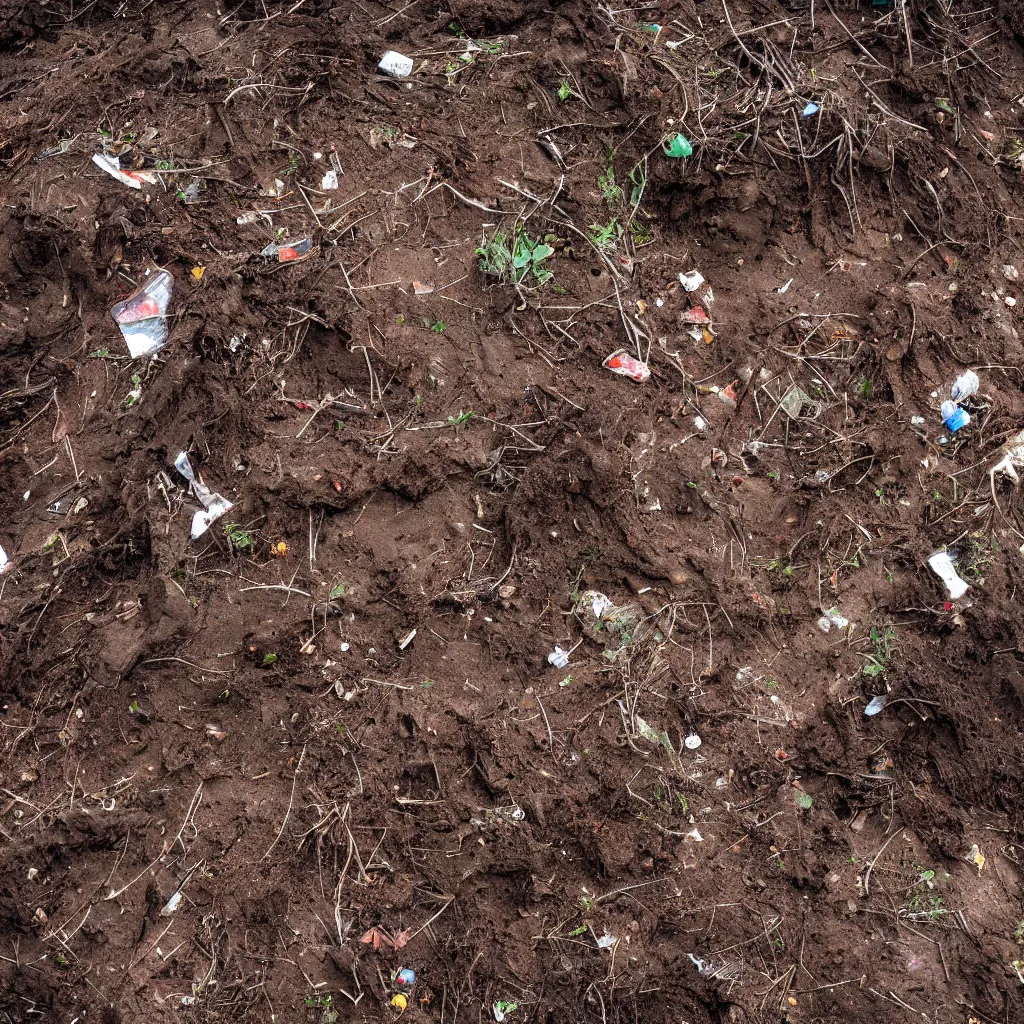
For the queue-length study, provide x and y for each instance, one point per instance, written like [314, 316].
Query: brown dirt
[206, 716]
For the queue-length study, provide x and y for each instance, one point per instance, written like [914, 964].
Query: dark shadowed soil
[251, 776]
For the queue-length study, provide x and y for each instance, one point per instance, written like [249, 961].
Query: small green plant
[325, 1004]
[606, 236]
[437, 326]
[101, 353]
[923, 902]
[975, 557]
[804, 801]
[463, 417]
[133, 707]
[337, 591]
[268, 659]
[516, 260]
[610, 191]
[883, 640]
[864, 387]
[1018, 932]
[577, 931]
[239, 538]
[564, 92]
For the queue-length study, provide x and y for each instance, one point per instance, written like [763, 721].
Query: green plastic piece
[677, 146]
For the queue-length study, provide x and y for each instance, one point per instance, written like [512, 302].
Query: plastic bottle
[953, 416]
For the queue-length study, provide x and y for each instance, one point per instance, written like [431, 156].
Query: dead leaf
[401, 938]
[377, 937]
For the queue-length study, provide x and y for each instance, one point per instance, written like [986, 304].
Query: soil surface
[255, 774]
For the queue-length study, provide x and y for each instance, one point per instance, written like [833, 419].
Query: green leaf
[542, 252]
[269, 659]
[804, 801]
[338, 590]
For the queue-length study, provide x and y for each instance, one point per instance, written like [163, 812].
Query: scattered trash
[329, 182]
[782, 289]
[395, 64]
[678, 147]
[944, 567]
[917, 421]
[509, 815]
[289, 253]
[810, 110]
[112, 165]
[692, 742]
[502, 1009]
[191, 193]
[691, 281]
[142, 317]
[875, 705]
[405, 981]
[796, 400]
[214, 505]
[965, 386]
[606, 941]
[953, 416]
[832, 618]
[976, 857]
[422, 289]
[248, 218]
[694, 836]
[1010, 272]
[699, 423]
[408, 639]
[696, 315]
[33, 873]
[5, 562]
[1012, 460]
[171, 905]
[197, 272]
[622, 363]
[558, 658]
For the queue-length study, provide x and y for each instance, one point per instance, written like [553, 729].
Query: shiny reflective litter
[142, 317]
[691, 281]
[953, 416]
[558, 658]
[214, 505]
[832, 618]
[289, 252]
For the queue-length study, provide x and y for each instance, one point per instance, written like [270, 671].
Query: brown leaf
[401, 938]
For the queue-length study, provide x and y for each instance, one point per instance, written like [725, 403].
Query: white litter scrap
[214, 505]
[692, 742]
[329, 182]
[606, 941]
[5, 562]
[691, 281]
[171, 905]
[832, 618]
[558, 658]
[395, 64]
[1013, 458]
[112, 165]
[142, 317]
[944, 567]
[875, 705]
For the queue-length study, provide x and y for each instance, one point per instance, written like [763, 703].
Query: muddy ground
[252, 775]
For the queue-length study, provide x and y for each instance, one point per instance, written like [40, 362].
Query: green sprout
[238, 537]
[268, 659]
[517, 259]
[606, 236]
[463, 417]
[437, 326]
[564, 92]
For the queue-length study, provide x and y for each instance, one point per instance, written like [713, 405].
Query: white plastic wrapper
[5, 562]
[945, 568]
